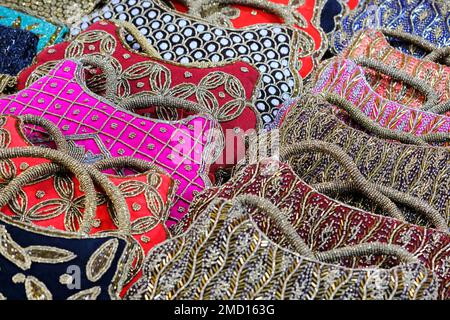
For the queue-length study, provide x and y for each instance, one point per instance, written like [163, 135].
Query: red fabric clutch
[56, 201]
[226, 90]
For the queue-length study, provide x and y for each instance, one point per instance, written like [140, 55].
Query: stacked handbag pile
[198, 149]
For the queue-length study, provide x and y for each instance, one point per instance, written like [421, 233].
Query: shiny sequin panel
[68, 11]
[39, 264]
[272, 49]
[17, 49]
[301, 15]
[224, 255]
[101, 130]
[373, 44]
[348, 80]
[418, 171]
[424, 18]
[325, 223]
[48, 32]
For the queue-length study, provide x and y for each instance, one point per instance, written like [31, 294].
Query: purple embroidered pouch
[101, 129]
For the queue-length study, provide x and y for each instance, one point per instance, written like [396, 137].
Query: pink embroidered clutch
[373, 44]
[101, 130]
[348, 80]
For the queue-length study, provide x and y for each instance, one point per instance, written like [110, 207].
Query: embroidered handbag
[48, 31]
[374, 45]
[204, 264]
[46, 264]
[271, 49]
[415, 171]
[102, 130]
[426, 19]
[348, 80]
[325, 223]
[302, 15]
[226, 91]
[49, 197]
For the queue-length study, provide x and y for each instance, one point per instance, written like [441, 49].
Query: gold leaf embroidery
[7, 170]
[13, 251]
[45, 254]
[36, 290]
[88, 294]
[183, 90]
[64, 186]
[101, 260]
[5, 138]
[231, 110]
[132, 188]
[47, 209]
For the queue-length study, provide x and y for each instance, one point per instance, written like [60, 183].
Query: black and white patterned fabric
[177, 37]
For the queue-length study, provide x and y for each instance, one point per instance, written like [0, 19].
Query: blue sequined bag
[427, 19]
[49, 32]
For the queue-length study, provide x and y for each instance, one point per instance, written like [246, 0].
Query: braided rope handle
[108, 70]
[126, 162]
[435, 54]
[431, 97]
[332, 255]
[361, 184]
[86, 176]
[52, 130]
[146, 47]
[399, 197]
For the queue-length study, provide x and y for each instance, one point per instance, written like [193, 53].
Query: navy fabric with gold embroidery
[39, 264]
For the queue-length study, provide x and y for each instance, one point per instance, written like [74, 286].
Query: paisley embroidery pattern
[422, 172]
[23, 242]
[373, 44]
[180, 38]
[204, 264]
[424, 18]
[327, 224]
[348, 80]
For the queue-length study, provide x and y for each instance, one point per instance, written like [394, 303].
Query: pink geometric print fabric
[348, 80]
[103, 130]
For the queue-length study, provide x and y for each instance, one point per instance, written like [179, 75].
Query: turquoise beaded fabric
[49, 33]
